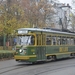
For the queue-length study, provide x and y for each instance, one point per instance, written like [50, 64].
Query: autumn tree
[11, 18]
[24, 13]
[36, 13]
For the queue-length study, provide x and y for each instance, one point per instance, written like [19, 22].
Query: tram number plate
[63, 49]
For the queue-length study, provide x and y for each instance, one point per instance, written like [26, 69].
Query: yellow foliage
[1, 27]
[10, 21]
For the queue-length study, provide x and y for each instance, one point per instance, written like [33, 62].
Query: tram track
[6, 67]
[10, 68]
[47, 67]
[53, 70]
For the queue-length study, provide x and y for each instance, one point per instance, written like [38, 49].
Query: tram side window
[54, 40]
[32, 40]
[58, 40]
[64, 40]
[68, 41]
[72, 41]
[61, 40]
[48, 40]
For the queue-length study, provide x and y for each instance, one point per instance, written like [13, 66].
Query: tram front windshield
[25, 40]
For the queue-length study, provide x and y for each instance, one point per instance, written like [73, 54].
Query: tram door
[41, 50]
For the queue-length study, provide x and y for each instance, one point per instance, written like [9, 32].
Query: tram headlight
[20, 50]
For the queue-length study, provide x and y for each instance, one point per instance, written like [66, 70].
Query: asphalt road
[60, 67]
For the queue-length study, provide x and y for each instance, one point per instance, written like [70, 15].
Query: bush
[6, 54]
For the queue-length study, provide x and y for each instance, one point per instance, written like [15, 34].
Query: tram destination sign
[22, 32]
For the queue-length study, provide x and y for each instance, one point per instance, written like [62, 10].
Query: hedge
[6, 54]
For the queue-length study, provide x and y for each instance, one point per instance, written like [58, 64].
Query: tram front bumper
[17, 57]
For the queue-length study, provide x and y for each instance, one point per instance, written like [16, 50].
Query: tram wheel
[54, 58]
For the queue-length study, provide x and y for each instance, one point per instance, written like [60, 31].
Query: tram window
[26, 40]
[32, 40]
[68, 41]
[48, 40]
[64, 40]
[59, 40]
[72, 41]
[54, 40]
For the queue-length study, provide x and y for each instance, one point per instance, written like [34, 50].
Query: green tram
[35, 44]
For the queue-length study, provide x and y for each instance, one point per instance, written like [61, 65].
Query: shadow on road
[43, 62]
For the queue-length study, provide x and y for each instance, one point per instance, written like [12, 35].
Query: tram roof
[45, 30]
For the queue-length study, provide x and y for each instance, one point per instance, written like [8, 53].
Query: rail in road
[11, 68]
[40, 68]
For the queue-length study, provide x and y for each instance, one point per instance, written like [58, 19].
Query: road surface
[60, 67]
